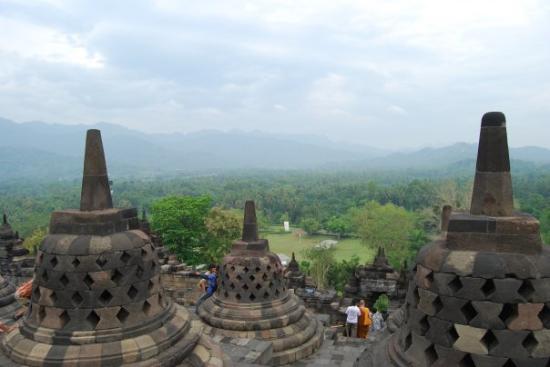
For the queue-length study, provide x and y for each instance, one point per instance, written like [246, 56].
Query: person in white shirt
[353, 312]
[377, 322]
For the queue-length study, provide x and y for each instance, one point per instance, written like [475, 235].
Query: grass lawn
[286, 243]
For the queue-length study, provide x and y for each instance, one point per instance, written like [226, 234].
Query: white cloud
[31, 41]
[348, 68]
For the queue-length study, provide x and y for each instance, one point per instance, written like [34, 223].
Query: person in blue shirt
[211, 284]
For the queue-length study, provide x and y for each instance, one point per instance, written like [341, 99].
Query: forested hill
[53, 151]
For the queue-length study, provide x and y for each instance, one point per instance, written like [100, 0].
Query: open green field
[286, 243]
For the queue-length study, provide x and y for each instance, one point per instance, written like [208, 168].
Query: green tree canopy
[180, 221]
[222, 228]
[387, 226]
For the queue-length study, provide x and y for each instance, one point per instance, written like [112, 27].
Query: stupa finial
[96, 193]
[492, 194]
[250, 225]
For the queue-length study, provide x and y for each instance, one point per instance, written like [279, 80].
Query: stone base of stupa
[293, 332]
[177, 341]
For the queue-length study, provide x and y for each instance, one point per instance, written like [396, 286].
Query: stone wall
[182, 286]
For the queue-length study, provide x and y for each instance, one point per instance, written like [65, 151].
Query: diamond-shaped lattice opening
[467, 361]
[117, 276]
[238, 296]
[139, 271]
[77, 299]
[75, 262]
[150, 285]
[271, 284]
[408, 341]
[489, 340]
[252, 278]
[438, 305]
[431, 355]
[252, 297]
[509, 363]
[105, 297]
[266, 295]
[36, 293]
[264, 277]
[132, 292]
[430, 278]
[225, 294]
[153, 266]
[122, 315]
[226, 276]
[93, 319]
[232, 286]
[245, 287]
[258, 269]
[64, 280]
[53, 297]
[41, 313]
[125, 257]
[101, 261]
[508, 312]
[526, 290]
[277, 292]
[453, 335]
[268, 267]
[544, 316]
[232, 268]
[239, 277]
[64, 317]
[146, 308]
[245, 269]
[45, 275]
[143, 252]
[488, 288]
[88, 280]
[258, 286]
[424, 325]
[455, 285]
[468, 311]
[530, 343]
[54, 262]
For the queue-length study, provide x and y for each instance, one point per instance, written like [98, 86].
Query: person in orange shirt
[365, 321]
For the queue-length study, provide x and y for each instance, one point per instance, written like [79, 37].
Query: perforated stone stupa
[480, 296]
[96, 298]
[253, 301]
[15, 262]
[8, 304]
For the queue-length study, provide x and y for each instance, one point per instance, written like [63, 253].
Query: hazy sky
[384, 73]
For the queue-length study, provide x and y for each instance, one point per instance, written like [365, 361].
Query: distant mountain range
[54, 151]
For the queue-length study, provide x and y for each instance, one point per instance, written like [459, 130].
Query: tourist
[377, 321]
[203, 283]
[353, 312]
[365, 321]
[212, 284]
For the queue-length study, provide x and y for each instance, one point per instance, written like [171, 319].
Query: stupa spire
[492, 194]
[96, 193]
[250, 225]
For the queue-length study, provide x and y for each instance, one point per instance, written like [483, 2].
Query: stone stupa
[96, 298]
[8, 304]
[16, 265]
[253, 302]
[480, 296]
[294, 276]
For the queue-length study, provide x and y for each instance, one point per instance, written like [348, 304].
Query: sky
[391, 74]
